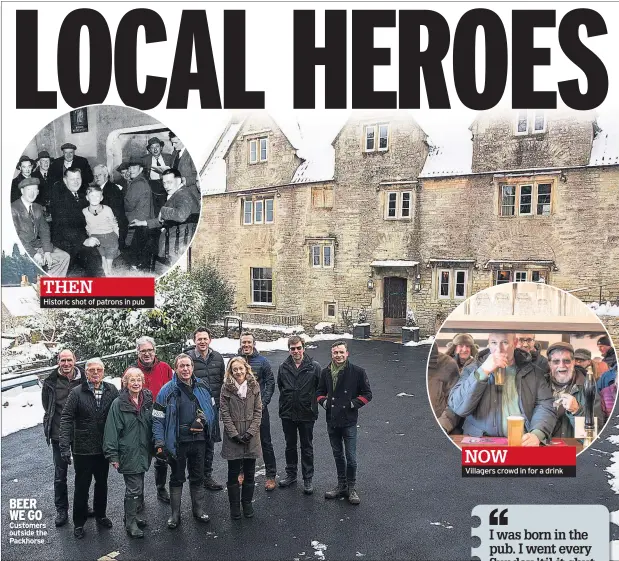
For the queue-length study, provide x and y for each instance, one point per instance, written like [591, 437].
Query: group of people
[66, 213]
[173, 414]
[549, 391]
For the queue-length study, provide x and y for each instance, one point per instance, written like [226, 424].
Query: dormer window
[258, 151]
[530, 122]
[376, 138]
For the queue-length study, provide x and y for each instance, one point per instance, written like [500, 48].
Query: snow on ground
[607, 309]
[22, 411]
[228, 346]
[320, 326]
[427, 341]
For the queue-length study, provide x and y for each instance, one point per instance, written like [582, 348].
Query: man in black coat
[113, 197]
[208, 366]
[84, 416]
[343, 389]
[607, 350]
[69, 224]
[56, 389]
[44, 161]
[70, 160]
[297, 380]
[25, 167]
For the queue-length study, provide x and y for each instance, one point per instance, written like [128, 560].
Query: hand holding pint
[496, 362]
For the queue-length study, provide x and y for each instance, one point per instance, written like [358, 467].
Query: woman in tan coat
[241, 412]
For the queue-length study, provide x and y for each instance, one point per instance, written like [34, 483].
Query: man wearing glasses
[297, 380]
[156, 374]
[527, 342]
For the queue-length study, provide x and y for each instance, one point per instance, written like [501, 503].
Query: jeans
[61, 496]
[306, 435]
[87, 467]
[234, 468]
[344, 445]
[190, 456]
[134, 484]
[267, 446]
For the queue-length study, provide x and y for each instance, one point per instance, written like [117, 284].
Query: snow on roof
[21, 301]
[213, 176]
[453, 158]
[605, 148]
[394, 263]
[319, 165]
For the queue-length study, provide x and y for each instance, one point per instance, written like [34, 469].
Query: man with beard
[487, 404]
[568, 381]
[527, 342]
[70, 160]
[69, 224]
[463, 350]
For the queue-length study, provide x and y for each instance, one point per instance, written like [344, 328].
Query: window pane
[331, 310]
[538, 276]
[522, 121]
[269, 210]
[503, 277]
[521, 276]
[460, 291]
[369, 138]
[392, 205]
[327, 255]
[253, 151]
[508, 200]
[539, 121]
[263, 149]
[262, 285]
[406, 205]
[383, 136]
[526, 196]
[247, 212]
[444, 284]
[315, 255]
[543, 199]
[258, 212]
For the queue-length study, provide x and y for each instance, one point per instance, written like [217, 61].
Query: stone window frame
[529, 117]
[253, 279]
[252, 202]
[257, 142]
[322, 196]
[535, 271]
[321, 246]
[452, 267]
[535, 183]
[399, 207]
[376, 129]
[326, 315]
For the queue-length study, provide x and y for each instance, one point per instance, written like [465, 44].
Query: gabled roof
[605, 149]
[455, 158]
[21, 301]
[213, 174]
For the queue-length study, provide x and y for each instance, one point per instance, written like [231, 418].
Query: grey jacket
[480, 401]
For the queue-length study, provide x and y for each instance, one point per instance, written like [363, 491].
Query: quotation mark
[500, 520]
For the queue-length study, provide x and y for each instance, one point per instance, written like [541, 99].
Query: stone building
[384, 221]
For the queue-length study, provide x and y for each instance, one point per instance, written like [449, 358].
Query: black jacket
[81, 417]
[48, 397]
[56, 171]
[211, 371]
[352, 392]
[68, 220]
[540, 361]
[297, 389]
[610, 358]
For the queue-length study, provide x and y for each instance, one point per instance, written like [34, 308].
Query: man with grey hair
[84, 416]
[114, 198]
[156, 374]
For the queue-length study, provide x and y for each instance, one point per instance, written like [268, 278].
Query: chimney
[24, 281]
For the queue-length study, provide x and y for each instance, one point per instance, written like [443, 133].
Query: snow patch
[613, 470]
[607, 309]
[443, 524]
[427, 341]
[320, 326]
[404, 394]
[319, 549]
[228, 346]
[614, 517]
[614, 439]
[22, 411]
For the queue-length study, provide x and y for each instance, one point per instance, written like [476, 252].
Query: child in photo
[101, 224]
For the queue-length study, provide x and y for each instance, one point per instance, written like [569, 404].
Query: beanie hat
[604, 340]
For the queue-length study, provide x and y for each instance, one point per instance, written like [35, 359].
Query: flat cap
[68, 146]
[582, 354]
[29, 181]
[135, 161]
[24, 159]
[123, 166]
[560, 346]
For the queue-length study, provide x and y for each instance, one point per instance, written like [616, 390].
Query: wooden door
[394, 304]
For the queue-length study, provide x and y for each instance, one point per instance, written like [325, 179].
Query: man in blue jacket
[183, 417]
[262, 370]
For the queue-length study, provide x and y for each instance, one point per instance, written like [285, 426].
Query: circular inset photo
[105, 191]
[522, 364]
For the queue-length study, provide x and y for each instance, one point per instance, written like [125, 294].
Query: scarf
[241, 388]
[335, 371]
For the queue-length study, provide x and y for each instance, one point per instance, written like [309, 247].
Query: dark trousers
[267, 446]
[235, 466]
[209, 452]
[88, 258]
[161, 473]
[134, 484]
[189, 456]
[87, 467]
[344, 445]
[305, 429]
[61, 496]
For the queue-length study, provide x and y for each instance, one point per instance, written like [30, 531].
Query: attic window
[258, 151]
[376, 138]
[530, 122]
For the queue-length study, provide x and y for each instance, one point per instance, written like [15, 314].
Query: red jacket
[155, 377]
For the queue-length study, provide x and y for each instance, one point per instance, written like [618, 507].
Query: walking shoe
[79, 532]
[308, 488]
[353, 497]
[288, 480]
[104, 522]
[61, 517]
[340, 491]
[211, 484]
[270, 484]
[163, 495]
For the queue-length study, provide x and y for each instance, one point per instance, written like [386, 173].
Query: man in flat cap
[124, 179]
[69, 223]
[70, 160]
[41, 172]
[25, 167]
[33, 230]
[182, 162]
[582, 358]
[154, 164]
[139, 207]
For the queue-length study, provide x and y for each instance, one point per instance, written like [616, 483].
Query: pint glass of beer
[499, 376]
[515, 430]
